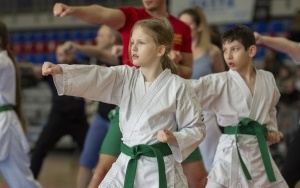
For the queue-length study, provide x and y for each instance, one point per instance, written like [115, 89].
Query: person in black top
[67, 117]
[99, 54]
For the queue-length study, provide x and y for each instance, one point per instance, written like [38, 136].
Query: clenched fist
[50, 68]
[257, 38]
[274, 137]
[61, 10]
[166, 136]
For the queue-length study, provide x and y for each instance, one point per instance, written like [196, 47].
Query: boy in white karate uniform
[155, 105]
[244, 101]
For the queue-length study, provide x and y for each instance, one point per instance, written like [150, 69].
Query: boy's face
[236, 57]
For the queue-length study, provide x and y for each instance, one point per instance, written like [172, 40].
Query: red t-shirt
[182, 33]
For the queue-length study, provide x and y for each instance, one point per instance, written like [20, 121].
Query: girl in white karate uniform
[244, 101]
[160, 117]
[14, 161]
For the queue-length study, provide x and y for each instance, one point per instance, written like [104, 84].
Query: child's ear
[252, 51]
[161, 50]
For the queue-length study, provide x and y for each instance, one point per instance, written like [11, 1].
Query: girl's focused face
[188, 20]
[143, 49]
[235, 55]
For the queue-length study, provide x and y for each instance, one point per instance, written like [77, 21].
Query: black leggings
[56, 128]
[291, 166]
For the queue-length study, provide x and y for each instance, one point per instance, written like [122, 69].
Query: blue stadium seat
[52, 58]
[20, 57]
[41, 58]
[276, 27]
[31, 58]
[30, 37]
[41, 36]
[77, 35]
[52, 36]
[20, 37]
[64, 35]
[261, 27]
[90, 34]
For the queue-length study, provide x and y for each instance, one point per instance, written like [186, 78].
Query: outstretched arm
[281, 44]
[95, 14]
[92, 51]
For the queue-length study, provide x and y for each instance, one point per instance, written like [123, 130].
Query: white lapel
[259, 88]
[237, 78]
[146, 98]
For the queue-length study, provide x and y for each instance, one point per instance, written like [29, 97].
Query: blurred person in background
[14, 160]
[99, 54]
[67, 116]
[291, 166]
[272, 62]
[208, 59]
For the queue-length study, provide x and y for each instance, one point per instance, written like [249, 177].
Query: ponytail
[167, 63]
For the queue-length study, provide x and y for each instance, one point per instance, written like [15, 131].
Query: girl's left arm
[191, 129]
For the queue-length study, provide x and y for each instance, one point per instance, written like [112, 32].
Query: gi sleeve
[92, 82]
[272, 125]
[206, 90]
[191, 129]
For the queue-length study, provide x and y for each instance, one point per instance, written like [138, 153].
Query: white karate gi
[169, 103]
[14, 161]
[210, 143]
[227, 95]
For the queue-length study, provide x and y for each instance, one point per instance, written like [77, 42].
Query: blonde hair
[162, 33]
[199, 19]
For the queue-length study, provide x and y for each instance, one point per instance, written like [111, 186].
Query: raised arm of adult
[95, 14]
[280, 44]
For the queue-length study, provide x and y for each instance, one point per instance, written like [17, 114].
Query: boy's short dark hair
[240, 33]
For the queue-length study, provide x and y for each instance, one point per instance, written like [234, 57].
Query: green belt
[6, 108]
[155, 150]
[251, 127]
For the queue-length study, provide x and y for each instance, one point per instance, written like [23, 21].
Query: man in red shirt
[122, 19]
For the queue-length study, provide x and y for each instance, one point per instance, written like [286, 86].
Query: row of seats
[53, 35]
[38, 46]
[40, 58]
[275, 27]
